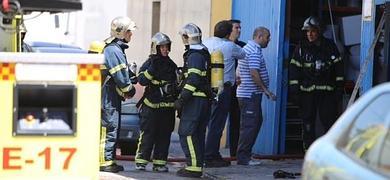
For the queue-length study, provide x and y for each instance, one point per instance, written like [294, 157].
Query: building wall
[174, 15]
[220, 10]
[77, 28]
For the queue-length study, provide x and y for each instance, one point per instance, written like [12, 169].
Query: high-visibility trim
[337, 60]
[102, 145]
[308, 89]
[156, 82]
[117, 68]
[119, 91]
[199, 94]
[197, 71]
[127, 88]
[194, 168]
[103, 67]
[106, 163]
[159, 162]
[147, 75]
[158, 105]
[185, 74]
[314, 87]
[339, 78]
[138, 146]
[190, 88]
[192, 151]
[141, 161]
[308, 65]
[292, 82]
[367, 145]
[150, 77]
[296, 63]
[327, 88]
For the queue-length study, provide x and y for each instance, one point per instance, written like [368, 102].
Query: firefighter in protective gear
[116, 87]
[193, 101]
[157, 113]
[23, 32]
[316, 80]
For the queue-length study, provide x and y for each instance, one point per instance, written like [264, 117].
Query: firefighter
[193, 101]
[25, 47]
[157, 113]
[96, 47]
[316, 79]
[116, 87]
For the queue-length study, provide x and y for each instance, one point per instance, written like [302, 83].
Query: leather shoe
[114, 168]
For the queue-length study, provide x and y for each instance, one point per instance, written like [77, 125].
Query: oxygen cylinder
[216, 70]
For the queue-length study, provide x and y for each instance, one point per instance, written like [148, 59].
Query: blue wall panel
[270, 14]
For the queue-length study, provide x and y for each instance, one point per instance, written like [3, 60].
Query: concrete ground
[263, 171]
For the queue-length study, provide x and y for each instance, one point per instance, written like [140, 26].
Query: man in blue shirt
[254, 82]
[220, 108]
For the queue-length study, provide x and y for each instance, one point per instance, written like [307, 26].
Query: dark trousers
[156, 127]
[251, 120]
[219, 112]
[234, 123]
[323, 103]
[192, 129]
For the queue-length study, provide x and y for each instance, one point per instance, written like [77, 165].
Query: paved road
[264, 171]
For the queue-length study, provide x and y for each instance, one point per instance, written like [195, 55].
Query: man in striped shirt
[254, 82]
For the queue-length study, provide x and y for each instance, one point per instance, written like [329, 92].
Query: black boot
[186, 173]
[114, 168]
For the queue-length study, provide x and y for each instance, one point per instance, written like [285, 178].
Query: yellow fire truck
[49, 103]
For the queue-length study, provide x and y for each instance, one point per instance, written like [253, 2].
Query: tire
[128, 148]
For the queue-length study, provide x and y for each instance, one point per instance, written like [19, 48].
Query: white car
[358, 144]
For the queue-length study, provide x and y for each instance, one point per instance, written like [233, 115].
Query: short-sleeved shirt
[254, 59]
[230, 52]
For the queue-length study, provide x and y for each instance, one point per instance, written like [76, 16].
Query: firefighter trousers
[192, 131]
[156, 126]
[311, 103]
[108, 134]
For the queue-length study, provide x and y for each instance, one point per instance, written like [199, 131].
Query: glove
[130, 94]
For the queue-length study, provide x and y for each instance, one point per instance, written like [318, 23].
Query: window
[41, 109]
[365, 140]
[156, 17]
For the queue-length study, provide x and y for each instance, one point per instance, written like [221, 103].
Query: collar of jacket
[121, 43]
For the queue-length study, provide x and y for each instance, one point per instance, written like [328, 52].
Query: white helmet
[120, 25]
[311, 22]
[191, 34]
[159, 39]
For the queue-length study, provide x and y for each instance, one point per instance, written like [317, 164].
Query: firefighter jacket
[316, 66]
[196, 71]
[158, 74]
[115, 72]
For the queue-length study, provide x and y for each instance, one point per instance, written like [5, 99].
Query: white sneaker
[254, 163]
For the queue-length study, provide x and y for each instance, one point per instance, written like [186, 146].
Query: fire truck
[49, 103]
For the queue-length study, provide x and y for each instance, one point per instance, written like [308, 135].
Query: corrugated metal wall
[270, 14]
